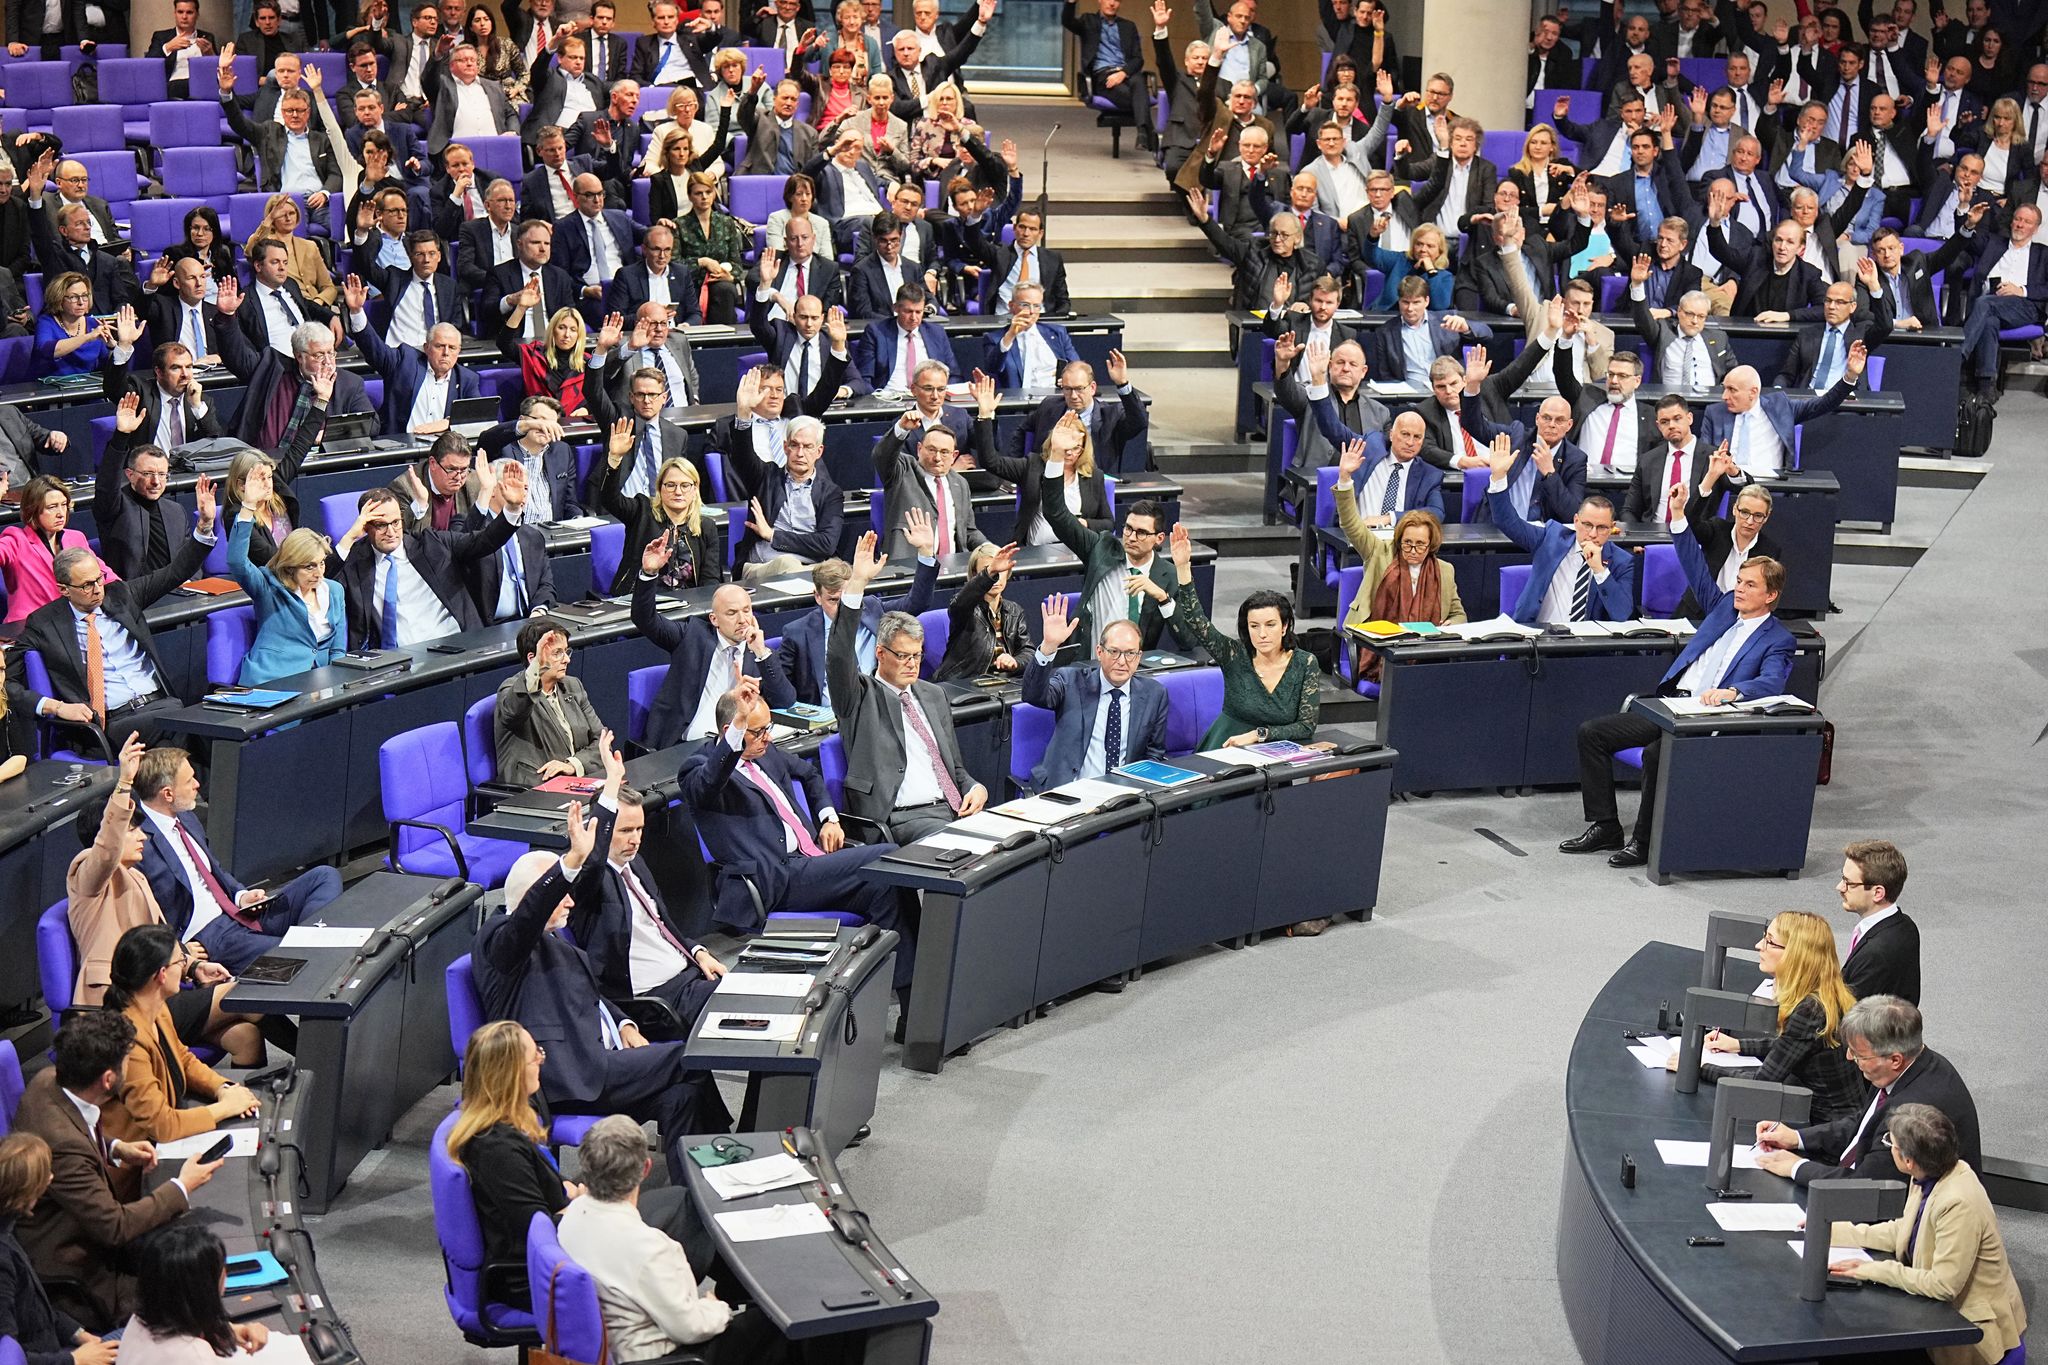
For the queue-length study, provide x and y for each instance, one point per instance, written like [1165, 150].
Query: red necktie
[800, 289]
[915, 716]
[565, 188]
[1677, 468]
[805, 844]
[468, 208]
[213, 886]
[941, 505]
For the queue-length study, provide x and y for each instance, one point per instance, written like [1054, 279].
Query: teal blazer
[284, 636]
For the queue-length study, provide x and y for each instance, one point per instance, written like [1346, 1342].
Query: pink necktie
[940, 507]
[805, 844]
[646, 904]
[1607, 447]
[1855, 938]
[909, 359]
[1677, 464]
[915, 715]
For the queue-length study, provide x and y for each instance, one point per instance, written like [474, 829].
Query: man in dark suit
[1757, 424]
[1886, 1037]
[923, 480]
[363, 75]
[1783, 286]
[889, 350]
[1402, 348]
[804, 640]
[1118, 429]
[1686, 351]
[1906, 279]
[518, 581]
[1753, 660]
[547, 193]
[412, 302]
[707, 655]
[82, 1233]
[1576, 572]
[1339, 372]
[182, 313]
[199, 895]
[904, 769]
[408, 152]
[1112, 64]
[1652, 187]
[520, 295]
[65, 243]
[419, 386]
[1233, 179]
[141, 529]
[883, 269]
[406, 588]
[1884, 947]
[1106, 714]
[1190, 85]
[1423, 121]
[1552, 66]
[284, 380]
[274, 306]
[606, 55]
[1597, 140]
[1028, 261]
[595, 243]
[1506, 269]
[94, 620]
[291, 154]
[1462, 183]
[460, 84]
[666, 57]
[1820, 350]
[2010, 284]
[534, 439]
[1029, 353]
[1674, 459]
[553, 74]
[744, 792]
[489, 240]
[850, 191]
[1847, 94]
[809, 350]
[801, 268]
[598, 1060]
[915, 73]
[1668, 273]
[657, 277]
[1321, 233]
[178, 46]
[1547, 480]
[605, 138]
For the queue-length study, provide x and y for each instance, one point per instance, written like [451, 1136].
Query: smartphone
[219, 1149]
[446, 649]
[866, 1298]
[1062, 799]
[744, 1025]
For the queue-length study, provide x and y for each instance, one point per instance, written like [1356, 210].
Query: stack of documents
[1061, 804]
[742, 1178]
[1499, 625]
[1677, 1152]
[1654, 1052]
[1786, 1217]
[777, 1220]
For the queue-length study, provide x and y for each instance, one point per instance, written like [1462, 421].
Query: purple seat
[607, 548]
[206, 78]
[1630, 758]
[17, 353]
[1503, 147]
[564, 1296]
[1612, 287]
[1513, 578]
[1585, 105]
[771, 60]
[229, 633]
[642, 684]
[875, 511]
[1194, 698]
[832, 767]
[201, 173]
[461, 1235]
[480, 740]
[1663, 582]
[1031, 730]
[499, 155]
[1350, 579]
[38, 87]
[1873, 372]
[135, 83]
[643, 200]
[338, 513]
[89, 128]
[178, 124]
[245, 214]
[1108, 114]
[333, 68]
[56, 958]
[466, 1016]
[102, 432]
[10, 1088]
[754, 197]
[156, 225]
[113, 176]
[938, 629]
[426, 801]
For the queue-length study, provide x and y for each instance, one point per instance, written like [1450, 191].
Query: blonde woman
[1543, 179]
[1081, 487]
[673, 516]
[2008, 156]
[1428, 256]
[682, 115]
[1797, 952]
[938, 139]
[498, 1139]
[304, 263]
[554, 367]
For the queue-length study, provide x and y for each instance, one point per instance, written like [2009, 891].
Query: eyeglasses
[1069, 388]
[90, 585]
[384, 525]
[1122, 656]
[903, 656]
[1885, 1140]
[1768, 942]
[1138, 532]
[1594, 528]
[759, 731]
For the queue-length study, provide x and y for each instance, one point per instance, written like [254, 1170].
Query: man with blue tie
[1547, 481]
[420, 297]
[404, 587]
[419, 385]
[526, 970]
[1820, 352]
[1576, 572]
[517, 581]
[805, 640]
[1029, 354]
[1740, 652]
[1107, 715]
[1758, 425]
[182, 313]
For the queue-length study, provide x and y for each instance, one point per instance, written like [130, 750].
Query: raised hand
[128, 417]
[835, 327]
[1283, 290]
[654, 558]
[582, 833]
[1477, 368]
[1198, 203]
[160, 273]
[229, 297]
[1500, 456]
[1318, 363]
[1005, 560]
[131, 758]
[613, 331]
[1638, 273]
[920, 532]
[983, 387]
[1859, 355]
[1559, 107]
[1182, 549]
[1350, 460]
[1674, 503]
[1056, 627]
[866, 563]
[203, 499]
[127, 327]
[1286, 350]
[1160, 15]
[355, 293]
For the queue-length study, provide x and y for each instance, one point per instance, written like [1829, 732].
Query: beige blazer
[306, 265]
[1378, 553]
[1958, 1256]
[107, 900]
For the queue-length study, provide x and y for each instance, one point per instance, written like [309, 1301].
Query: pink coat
[26, 562]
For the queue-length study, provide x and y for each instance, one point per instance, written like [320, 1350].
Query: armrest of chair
[861, 831]
[493, 1281]
[454, 847]
[485, 796]
[655, 1018]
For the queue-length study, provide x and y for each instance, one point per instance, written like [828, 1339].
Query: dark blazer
[510, 1180]
[690, 643]
[1803, 355]
[439, 557]
[1483, 283]
[254, 362]
[558, 290]
[166, 874]
[51, 632]
[868, 294]
[976, 640]
[403, 368]
[547, 88]
[1547, 543]
[770, 484]
[112, 278]
[270, 139]
[1424, 486]
[832, 192]
[741, 826]
[524, 972]
[392, 285]
[614, 65]
[537, 200]
[1662, 332]
[27, 1317]
[873, 354]
[1112, 426]
[1804, 289]
[486, 576]
[123, 519]
[1646, 488]
[1233, 187]
[603, 925]
[1801, 1055]
[871, 725]
[822, 279]
[164, 35]
[1886, 960]
[81, 1227]
[572, 243]
[802, 651]
[443, 211]
[1387, 359]
[1361, 413]
[901, 480]
[1764, 663]
[473, 262]
[1072, 693]
[1481, 179]
[629, 289]
[164, 311]
[1931, 1079]
[250, 315]
[646, 59]
[1027, 472]
[937, 70]
[1087, 30]
[557, 461]
[1320, 233]
[1559, 492]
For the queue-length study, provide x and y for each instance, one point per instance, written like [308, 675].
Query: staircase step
[1180, 340]
[1918, 471]
[1184, 457]
[1868, 547]
[1158, 202]
[1233, 540]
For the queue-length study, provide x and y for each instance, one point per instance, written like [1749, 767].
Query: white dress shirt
[720, 678]
[652, 960]
[422, 616]
[1731, 567]
[473, 116]
[1755, 445]
[1040, 365]
[205, 909]
[1374, 495]
[430, 404]
[1620, 418]
[1711, 668]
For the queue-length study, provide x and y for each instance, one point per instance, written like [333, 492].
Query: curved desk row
[38, 840]
[1633, 1290]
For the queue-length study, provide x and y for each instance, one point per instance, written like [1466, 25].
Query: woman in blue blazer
[299, 610]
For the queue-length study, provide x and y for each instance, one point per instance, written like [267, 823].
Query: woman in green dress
[1271, 690]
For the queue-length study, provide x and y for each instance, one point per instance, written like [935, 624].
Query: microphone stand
[1045, 171]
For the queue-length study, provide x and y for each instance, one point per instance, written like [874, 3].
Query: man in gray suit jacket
[903, 766]
[766, 152]
[916, 480]
[1108, 715]
[461, 84]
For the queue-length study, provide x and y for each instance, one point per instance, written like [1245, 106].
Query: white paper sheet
[758, 1176]
[1499, 625]
[321, 936]
[1734, 1217]
[282, 1348]
[1593, 630]
[790, 585]
[179, 1148]
[795, 985]
[1243, 758]
[988, 825]
[1677, 1152]
[782, 1028]
[973, 843]
[581, 523]
[777, 1220]
[1677, 625]
[1835, 1254]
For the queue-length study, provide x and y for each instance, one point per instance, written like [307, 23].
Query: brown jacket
[80, 1229]
[148, 1109]
[107, 900]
